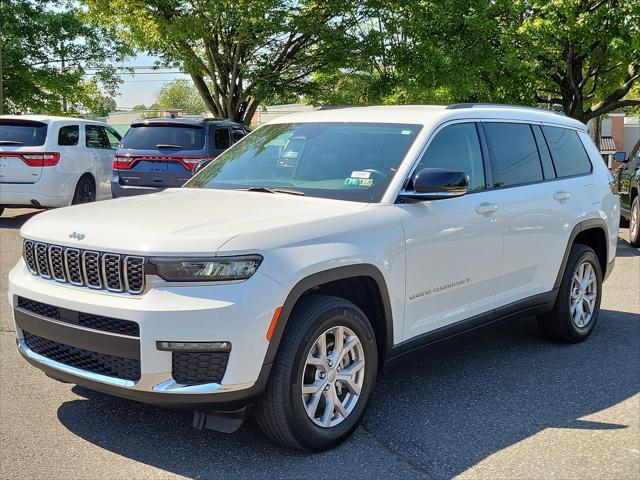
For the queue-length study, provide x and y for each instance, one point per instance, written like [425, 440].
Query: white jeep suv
[50, 161]
[317, 249]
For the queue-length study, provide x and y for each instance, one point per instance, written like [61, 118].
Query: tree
[585, 55]
[238, 53]
[139, 107]
[581, 54]
[47, 48]
[179, 94]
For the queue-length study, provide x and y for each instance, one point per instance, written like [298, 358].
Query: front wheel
[634, 223]
[323, 376]
[578, 303]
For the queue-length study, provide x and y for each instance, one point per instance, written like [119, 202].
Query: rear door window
[514, 154]
[96, 137]
[22, 133]
[113, 137]
[221, 138]
[166, 135]
[68, 135]
[568, 154]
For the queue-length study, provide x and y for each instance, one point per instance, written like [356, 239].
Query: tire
[560, 323]
[624, 223]
[85, 191]
[634, 223]
[282, 412]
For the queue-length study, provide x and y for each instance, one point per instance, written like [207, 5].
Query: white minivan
[50, 161]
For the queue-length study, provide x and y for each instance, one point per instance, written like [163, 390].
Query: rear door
[160, 154]
[18, 139]
[538, 209]
[624, 175]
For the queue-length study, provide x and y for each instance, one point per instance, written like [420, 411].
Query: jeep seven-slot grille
[85, 268]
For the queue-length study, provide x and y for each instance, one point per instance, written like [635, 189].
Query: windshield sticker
[406, 132]
[359, 174]
[359, 182]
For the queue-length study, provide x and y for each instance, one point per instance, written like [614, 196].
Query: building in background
[618, 135]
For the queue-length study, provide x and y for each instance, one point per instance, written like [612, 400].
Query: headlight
[214, 269]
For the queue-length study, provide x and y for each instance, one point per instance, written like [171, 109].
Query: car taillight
[47, 159]
[191, 163]
[121, 162]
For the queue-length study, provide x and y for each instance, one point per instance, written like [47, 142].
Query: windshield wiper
[167, 145]
[10, 142]
[272, 190]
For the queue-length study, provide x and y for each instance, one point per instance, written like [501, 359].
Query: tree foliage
[248, 50]
[581, 54]
[37, 38]
[179, 94]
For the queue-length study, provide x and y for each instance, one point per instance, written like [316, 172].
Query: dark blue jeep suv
[161, 153]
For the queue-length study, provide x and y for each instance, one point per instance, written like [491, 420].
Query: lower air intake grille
[100, 363]
[40, 308]
[201, 367]
[108, 324]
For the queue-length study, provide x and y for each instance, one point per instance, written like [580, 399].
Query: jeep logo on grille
[77, 235]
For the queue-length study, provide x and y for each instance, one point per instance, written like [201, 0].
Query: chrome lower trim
[116, 382]
[171, 386]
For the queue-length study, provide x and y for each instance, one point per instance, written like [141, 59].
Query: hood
[178, 221]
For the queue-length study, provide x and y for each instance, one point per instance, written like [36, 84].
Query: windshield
[148, 137]
[344, 161]
[24, 133]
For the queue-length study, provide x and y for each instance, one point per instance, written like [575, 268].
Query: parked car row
[50, 161]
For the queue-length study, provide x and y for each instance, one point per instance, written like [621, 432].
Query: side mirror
[436, 184]
[620, 157]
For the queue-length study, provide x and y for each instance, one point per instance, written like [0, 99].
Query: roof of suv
[185, 121]
[49, 118]
[431, 114]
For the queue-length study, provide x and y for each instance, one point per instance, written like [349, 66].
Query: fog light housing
[193, 346]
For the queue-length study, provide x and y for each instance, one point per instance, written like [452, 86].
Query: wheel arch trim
[327, 276]
[590, 224]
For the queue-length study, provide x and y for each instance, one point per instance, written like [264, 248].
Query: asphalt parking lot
[502, 404]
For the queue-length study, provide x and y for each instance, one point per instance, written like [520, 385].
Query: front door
[453, 246]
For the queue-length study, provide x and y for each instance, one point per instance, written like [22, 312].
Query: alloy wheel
[584, 293]
[333, 376]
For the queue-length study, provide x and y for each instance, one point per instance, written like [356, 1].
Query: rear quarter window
[68, 135]
[568, 154]
[25, 133]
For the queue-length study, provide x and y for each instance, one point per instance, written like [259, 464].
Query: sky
[143, 87]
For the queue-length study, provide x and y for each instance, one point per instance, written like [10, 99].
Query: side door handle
[561, 196]
[486, 208]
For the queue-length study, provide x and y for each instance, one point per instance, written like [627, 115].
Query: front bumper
[231, 313]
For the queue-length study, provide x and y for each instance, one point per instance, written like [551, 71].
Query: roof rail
[457, 106]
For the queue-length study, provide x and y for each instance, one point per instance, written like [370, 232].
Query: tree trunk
[596, 131]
